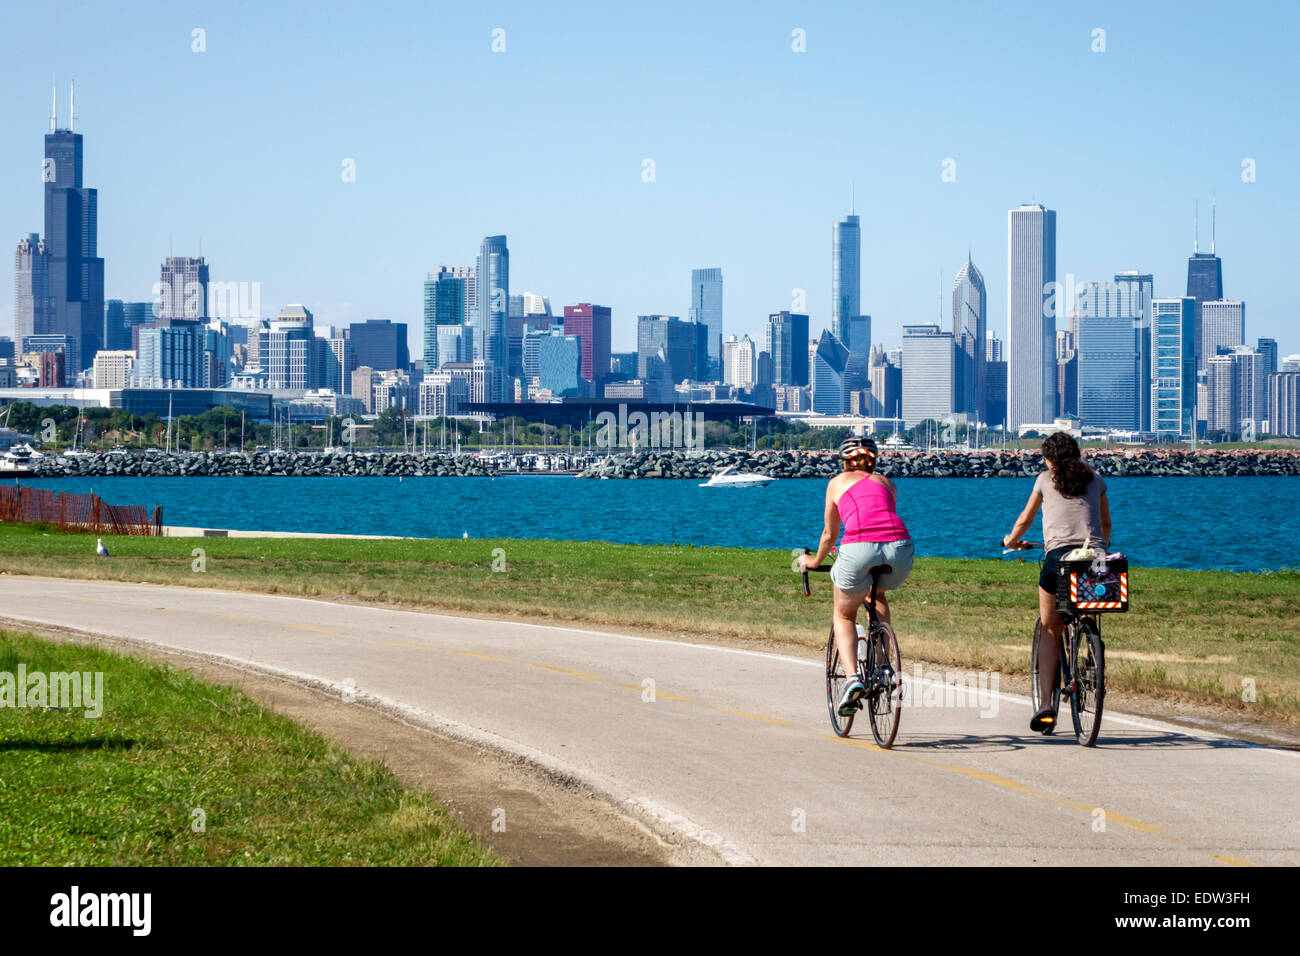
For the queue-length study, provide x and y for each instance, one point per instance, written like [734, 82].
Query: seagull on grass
[100, 549]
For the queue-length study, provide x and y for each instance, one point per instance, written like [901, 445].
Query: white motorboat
[730, 478]
[19, 460]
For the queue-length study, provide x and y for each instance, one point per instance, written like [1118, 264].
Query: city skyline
[758, 215]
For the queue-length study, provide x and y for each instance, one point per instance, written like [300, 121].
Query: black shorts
[1051, 565]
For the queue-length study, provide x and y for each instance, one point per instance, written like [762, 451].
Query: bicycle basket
[1079, 588]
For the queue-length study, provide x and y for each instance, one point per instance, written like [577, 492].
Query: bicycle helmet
[854, 447]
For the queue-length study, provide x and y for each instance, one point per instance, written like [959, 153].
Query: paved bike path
[734, 748]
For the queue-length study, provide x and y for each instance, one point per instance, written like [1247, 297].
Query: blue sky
[755, 147]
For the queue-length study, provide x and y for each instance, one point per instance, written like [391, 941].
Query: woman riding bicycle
[873, 535]
[1075, 511]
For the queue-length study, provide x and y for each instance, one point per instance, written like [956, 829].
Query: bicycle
[884, 680]
[1082, 669]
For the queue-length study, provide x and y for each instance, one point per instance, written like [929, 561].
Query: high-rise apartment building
[1173, 381]
[787, 343]
[739, 358]
[1032, 304]
[1108, 372]
[112, 368]
[444, 305]
[1222, 325]
[1268, 349]
[491, 340]
[1284, 404]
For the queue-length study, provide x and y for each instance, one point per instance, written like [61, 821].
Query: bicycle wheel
[885, 697]
[1034, 694]
[835, 677]
[1088, 691]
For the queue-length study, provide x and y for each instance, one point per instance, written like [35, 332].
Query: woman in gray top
[1075, 510]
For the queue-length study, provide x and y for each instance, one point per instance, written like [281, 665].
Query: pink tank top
[867, 512]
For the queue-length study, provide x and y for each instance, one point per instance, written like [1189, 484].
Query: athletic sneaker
[854, 690]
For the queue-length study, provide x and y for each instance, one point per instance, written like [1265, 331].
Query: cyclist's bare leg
[846, 632]
[1049, 645]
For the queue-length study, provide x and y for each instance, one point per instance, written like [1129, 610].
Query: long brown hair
[1070, 475]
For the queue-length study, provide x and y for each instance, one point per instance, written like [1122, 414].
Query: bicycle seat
[883, 569]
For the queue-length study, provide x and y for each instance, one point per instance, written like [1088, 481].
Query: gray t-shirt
[1070, 521]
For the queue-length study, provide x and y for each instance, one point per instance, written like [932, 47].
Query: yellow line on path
[1015, 786]
[561, 670]
[486, 657]
[741, 713]
[657, 693]
[308, 627]
[404, 643]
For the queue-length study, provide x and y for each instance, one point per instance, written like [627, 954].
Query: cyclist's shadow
[993, 743]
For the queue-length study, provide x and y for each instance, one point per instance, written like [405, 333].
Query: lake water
[1239, 524]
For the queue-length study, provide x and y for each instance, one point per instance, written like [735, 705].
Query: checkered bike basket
[1079, 588]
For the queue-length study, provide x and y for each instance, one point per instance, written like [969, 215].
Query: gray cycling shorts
[851, 572]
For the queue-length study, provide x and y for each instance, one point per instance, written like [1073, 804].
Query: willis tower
[71, 237]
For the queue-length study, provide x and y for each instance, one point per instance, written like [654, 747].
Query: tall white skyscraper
[1032, 304]
[1223, 326]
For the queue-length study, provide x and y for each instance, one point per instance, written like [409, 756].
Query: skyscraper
[1222, 325]
[591, 324]
[1237, 385]
[289, 347]
[830, 391]
[1107, 371]
[970, 313]
[1031, 315]
[380, 344]
[1284, 404]
[706, 309]
[665, 338]
[1204, 283]
[787, 343]
[928, 381]
[490, 321]
[1173, 380]
[33, 306]
[72, 238]
[846, 276]
[886, 385]
[1102, 358]
[444, 305]
[1268, 349]
[182, 290]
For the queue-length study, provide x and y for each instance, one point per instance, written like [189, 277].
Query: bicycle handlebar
[1023, 546]
[807, 591]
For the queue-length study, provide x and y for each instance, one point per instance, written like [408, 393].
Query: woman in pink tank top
[864, 504]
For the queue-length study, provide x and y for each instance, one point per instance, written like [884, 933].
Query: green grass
[121, 789]
[1191, 635]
